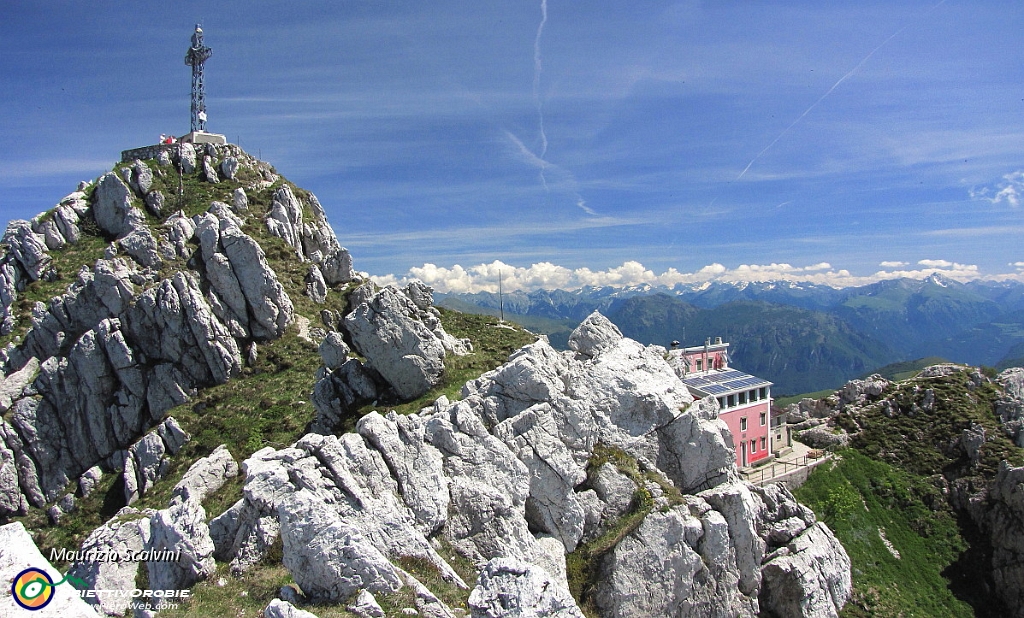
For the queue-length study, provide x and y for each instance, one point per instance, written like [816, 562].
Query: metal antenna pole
[196, 56]
[501, 302]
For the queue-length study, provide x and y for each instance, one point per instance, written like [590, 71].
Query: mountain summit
[192, 309]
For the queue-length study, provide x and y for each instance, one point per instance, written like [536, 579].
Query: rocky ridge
[505, 477]
[925, 425]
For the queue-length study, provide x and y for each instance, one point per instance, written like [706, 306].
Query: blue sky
[562, 142]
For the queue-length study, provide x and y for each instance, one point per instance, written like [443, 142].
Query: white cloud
[1010, 190]
[548, 276]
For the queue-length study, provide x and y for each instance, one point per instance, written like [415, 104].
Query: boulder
[187, 157]
[316, 287]
[125, 535]
[810, 577]
[239, 201]
[206, 476]
[17, 553]
[112, 206]
[365, 606]
[329, 559]
[209, 170]
[337, 267]
[387, 332]
[181, 528]
[155, 203]
[148, 459]
[28, 249]
[509, 588]
[284, 609]
[594, 335]
[229, 167]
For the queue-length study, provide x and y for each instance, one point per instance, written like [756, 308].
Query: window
[743, 398]
[753, 446]
[764, 392]
[743, 423]
[732, 400]
[721, 402]
[699, 364]
[764, 419]
[764, 443]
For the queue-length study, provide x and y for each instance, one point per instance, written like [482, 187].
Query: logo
[33, 588]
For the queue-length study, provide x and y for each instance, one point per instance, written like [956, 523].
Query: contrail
[537, 67]
[830, 90]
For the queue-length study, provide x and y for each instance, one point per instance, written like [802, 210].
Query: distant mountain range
[804, 337]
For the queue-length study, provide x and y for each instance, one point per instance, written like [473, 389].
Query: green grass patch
[782, 402]
[857, 498]
[583, 564]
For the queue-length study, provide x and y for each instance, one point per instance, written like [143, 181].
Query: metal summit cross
[196, 56]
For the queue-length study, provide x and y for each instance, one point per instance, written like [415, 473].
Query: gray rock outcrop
[508, 588]
[147, 460]
[182, 528]
[397, 345]
[125, 535]
[17, 553]
[206, 476]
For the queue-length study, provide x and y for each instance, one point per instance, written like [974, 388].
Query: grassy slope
[892, 479]
[267, 405]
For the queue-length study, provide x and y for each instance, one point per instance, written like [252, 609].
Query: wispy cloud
[1010, 190]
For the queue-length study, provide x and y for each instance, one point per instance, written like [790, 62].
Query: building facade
[745, 401]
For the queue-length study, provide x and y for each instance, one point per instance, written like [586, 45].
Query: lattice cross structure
[197, 55]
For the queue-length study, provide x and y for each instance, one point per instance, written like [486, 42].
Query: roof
[723, 382]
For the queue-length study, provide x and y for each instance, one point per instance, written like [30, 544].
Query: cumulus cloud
[548, 276]
[1009, 190]
[935, 263]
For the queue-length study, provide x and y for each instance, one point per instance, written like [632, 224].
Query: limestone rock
[810, 579]
[594, 335]
[209, 171]
[285, 218]
[859, 391]
[28, 248]
[155, 203]
[112, 206]
[316, 287]
[271, 309]
[187, 157]
[415, 464]
[140, 177]
[181, 528]
[1010, 404]
[141, 246]
[614, 489]
[89, 480]
[823, 437]
[284, 609]
[239, 201]
[336, 392]
[148, 459]
[329, 559]
[387, 332]
[12, 386]
[337, 267]
[333, 350]
[228, 167]
[206, 476]
[365, 606]
[126, 534]
[17, 553]
[509, 588]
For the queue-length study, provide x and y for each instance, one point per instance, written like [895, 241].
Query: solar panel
[723, 382]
